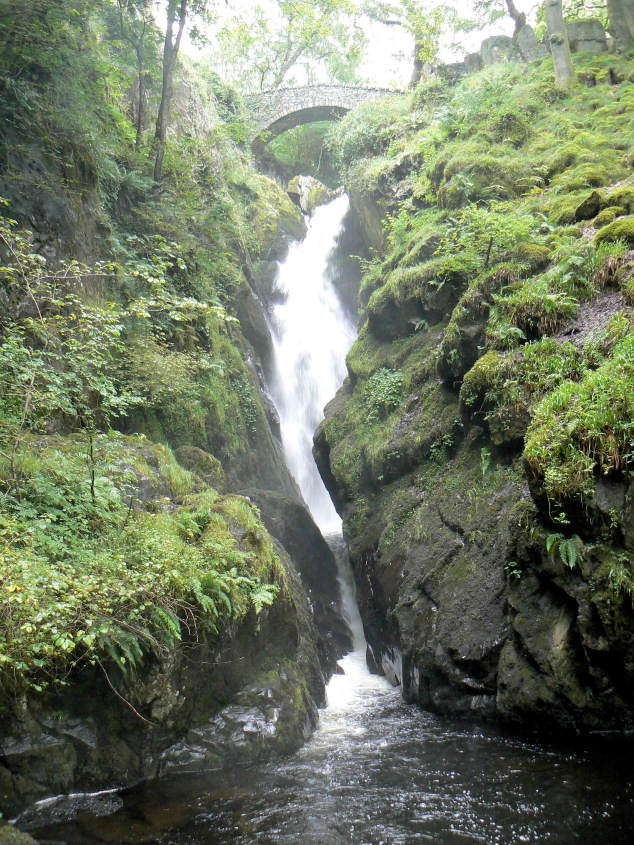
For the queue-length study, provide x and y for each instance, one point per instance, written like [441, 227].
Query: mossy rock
[10, 835]
[318, 195]
[460, 346]
[563, 208]
[275, 220]
[472, 174]
[206, 466]
[589, 207]
[623, 196]
[620, 230]
[426, 291]
[608, 215]
[536, 256]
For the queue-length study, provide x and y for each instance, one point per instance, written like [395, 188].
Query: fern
[263, 595]
[569, 549]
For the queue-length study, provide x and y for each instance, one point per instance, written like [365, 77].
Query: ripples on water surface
[380, 771]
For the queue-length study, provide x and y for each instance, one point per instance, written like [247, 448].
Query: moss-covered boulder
[275, 220]
[620, 230]
[623, 196]
[206, 466]
[590, 206]
[608, 215]
[426, 291]
[172, 604]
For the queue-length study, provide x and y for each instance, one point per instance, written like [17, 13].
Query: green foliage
[542, 303]
[488, 231]
[583, 429]
[513, 570]
[620, 579]
[89, 581]
[110, 551]
[569, 548]
[302, 151]
[267, 47]
[478, 184]
[384, 392]
[56, 362]
[366, 131]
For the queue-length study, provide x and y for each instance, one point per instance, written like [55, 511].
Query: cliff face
[480, 450]
[155, 620]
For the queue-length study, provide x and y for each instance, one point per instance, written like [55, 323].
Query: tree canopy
[269, 45]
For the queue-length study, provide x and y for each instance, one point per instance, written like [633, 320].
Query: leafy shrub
[585, 428]
[366, 131]
[91, 581]
[383, 393]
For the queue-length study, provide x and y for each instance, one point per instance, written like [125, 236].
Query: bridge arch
[274, 112]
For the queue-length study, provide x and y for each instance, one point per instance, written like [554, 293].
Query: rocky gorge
[170, 605]
[210, 478]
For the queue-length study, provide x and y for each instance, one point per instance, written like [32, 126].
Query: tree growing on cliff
[178, 12]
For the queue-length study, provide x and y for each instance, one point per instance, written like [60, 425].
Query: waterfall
[311, 337]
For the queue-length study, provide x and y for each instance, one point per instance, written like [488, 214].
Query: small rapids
[376, 770]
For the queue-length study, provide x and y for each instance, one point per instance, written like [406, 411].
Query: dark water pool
[379, 771]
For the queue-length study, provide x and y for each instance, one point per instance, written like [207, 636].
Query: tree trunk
[559, 46]
[170, 53]
[141, 100]
[417, 71]
[621, 23]
[519, 18]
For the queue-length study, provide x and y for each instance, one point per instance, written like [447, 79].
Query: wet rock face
[273, 716]
[462, 602]
[465, 608]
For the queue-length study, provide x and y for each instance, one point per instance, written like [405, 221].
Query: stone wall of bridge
[280, 109]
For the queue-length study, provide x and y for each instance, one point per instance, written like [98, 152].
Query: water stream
[376, 770]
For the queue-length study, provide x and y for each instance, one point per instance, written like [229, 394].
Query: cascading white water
[311, 336]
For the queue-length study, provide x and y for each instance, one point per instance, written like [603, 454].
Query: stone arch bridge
[274, 112]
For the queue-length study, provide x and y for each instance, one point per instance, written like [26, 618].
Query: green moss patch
[583, 429]
[608, 215]
[620, 230]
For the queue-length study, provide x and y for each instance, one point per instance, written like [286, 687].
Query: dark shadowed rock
[290, 522]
